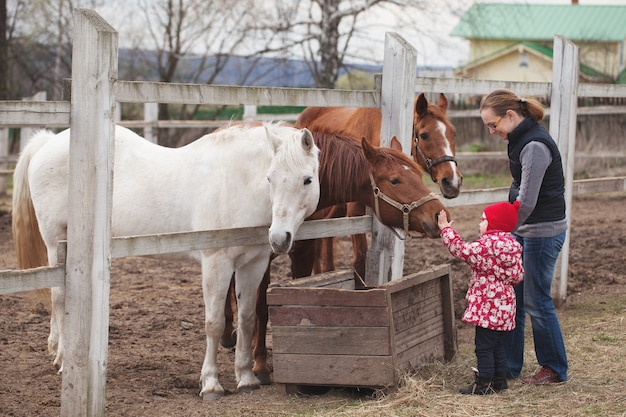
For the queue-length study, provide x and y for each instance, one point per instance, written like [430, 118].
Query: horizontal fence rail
[479, 87]
[151, 92]
[34, 113]
[147, 245]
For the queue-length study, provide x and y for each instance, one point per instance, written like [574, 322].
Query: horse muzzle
[280, 242]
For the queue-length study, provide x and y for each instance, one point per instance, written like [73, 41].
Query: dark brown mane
[342, 162]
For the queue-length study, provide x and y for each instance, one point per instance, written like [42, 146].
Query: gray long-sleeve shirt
[535, 159]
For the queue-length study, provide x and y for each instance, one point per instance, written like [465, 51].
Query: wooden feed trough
[326, 333]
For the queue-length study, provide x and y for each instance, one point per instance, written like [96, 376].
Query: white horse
[240, 176]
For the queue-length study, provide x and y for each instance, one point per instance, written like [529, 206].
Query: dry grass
[595, 334]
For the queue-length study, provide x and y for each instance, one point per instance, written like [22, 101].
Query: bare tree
[40, 44]
[323, 32]
[191, 41]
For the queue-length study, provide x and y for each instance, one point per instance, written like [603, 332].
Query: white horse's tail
[30, 248]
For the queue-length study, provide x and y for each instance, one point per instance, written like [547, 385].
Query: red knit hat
[502, 216]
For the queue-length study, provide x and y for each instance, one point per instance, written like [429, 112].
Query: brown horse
[357, 171]
[433, 148]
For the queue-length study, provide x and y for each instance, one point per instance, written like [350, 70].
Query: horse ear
[275, 140]
[371, 154]
[421, 105]
[395, 144]
[307, 140]
[443, 102]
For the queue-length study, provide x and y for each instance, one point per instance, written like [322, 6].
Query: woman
[539, 186]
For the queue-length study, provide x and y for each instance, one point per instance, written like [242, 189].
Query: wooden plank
[449, 329]
[416, 278]
[428, 351]
[417, 334]
[340, 278]
[154, 92]
[87, 287]
[565, 70]
[326, 297]
[124, 246]
[15, 113]
[601, 90]
[474, 197]
[12, 281]
[479, 87]
[323, 341]
[416, 315]
[603, 185]
[488, 196]
[408, 296]
[385, 256]
[322, 316]
[522, 88]
[334, 370]
[4, 150]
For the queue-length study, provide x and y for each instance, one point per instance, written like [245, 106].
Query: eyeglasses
[492, 126]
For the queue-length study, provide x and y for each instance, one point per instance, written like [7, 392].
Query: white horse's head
[294, 183]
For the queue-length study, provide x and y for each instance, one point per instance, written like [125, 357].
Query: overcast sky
[445, 50]
[434, 45]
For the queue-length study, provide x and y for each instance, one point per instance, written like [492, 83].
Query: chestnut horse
[384, 179]
[433, 148]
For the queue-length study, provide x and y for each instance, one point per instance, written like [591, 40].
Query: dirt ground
[156, 323]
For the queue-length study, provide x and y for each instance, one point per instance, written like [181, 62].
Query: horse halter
[404, 208]
[431, 162]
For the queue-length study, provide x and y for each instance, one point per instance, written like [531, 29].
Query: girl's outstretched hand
[442, 220]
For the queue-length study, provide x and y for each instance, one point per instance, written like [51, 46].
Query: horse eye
[424, 136]
[394, 181]
[308, 181]
[268, 180]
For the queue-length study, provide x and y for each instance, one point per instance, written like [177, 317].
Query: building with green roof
[513, 42]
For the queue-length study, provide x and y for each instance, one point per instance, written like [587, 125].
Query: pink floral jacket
[496, 263]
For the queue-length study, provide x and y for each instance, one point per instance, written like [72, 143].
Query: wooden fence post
[385, 258]
[27, 132]
[151, 114]
[4, 153]
[94, 72]
[563, 112]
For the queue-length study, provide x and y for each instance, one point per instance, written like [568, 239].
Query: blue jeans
[533, 297]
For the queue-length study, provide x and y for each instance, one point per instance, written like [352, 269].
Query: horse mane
[342, 162]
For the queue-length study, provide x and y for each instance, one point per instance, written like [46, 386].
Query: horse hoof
[249, 388]
[228, 342]
[212, 396]
[264, 378]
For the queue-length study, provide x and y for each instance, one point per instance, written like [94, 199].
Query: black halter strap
[428, 162]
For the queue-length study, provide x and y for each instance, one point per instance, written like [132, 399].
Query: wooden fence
[95, 92]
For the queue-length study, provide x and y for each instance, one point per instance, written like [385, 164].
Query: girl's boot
[500, 381]
[481, 386]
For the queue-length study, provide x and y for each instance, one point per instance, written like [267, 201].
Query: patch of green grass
[605, 338]
[481, 181]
